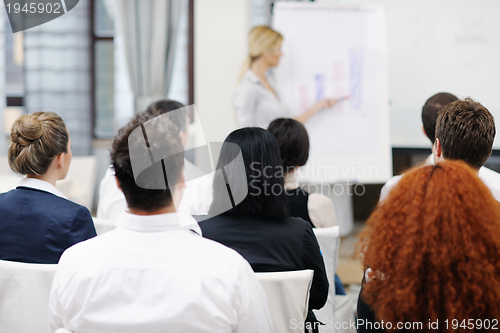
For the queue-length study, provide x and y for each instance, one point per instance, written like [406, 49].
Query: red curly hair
[434, 248]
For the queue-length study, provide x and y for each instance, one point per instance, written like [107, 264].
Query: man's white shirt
[489, 177]
[196, 199]
[151, 274]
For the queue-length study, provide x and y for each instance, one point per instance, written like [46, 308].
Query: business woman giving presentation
[255, 100]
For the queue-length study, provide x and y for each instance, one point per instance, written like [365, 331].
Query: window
[102, 69]
[14, 75]
[112, 98]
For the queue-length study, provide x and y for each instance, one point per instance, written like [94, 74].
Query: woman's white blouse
[255, 105]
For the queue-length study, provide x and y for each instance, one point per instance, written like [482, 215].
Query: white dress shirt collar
[159, 222]
[41, 185]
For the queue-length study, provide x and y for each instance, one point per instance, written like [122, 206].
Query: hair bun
[26, 130]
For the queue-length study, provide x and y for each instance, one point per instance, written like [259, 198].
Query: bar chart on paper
[332, 51]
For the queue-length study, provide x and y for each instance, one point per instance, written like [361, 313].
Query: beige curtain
[150, 31]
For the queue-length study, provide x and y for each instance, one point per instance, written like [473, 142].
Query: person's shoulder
[487, 174]
[214, 256]
[46, 198]
[248, 84]
[213, 225]
[320, 199]
[213, 248]
[86, 251]
[11, 200]
[391, 183]
[69, 206]
[491, 179]
[297, 223]
[9, 194]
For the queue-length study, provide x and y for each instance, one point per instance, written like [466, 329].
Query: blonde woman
[37, 222]
[256, 101]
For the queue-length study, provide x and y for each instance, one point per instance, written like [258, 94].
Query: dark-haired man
[198, 194]
[154, 272]
[464, 130]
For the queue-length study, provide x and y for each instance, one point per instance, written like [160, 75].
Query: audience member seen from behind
[315, 208]
[154, 272]
[38, 222]
[433, 249]
[260, 227]
[470, 124]
[293, 143]
[470, 114]
[198, 194]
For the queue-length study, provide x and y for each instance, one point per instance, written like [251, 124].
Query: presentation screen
[339, 52]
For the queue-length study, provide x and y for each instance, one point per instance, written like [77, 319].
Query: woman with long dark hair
[260, 227]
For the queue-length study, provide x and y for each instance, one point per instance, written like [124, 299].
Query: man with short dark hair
[198, 194]
[154, 272]
[464, 130]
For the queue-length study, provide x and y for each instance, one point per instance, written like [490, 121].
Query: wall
[221, 28]
[446, 45]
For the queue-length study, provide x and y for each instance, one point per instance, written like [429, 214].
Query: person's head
[139, 198]
[264, 44]
[179, 118]
[264, 174]
[40, 142]
[433, 248]
[465, 131]
[293, 142]
[430, 112]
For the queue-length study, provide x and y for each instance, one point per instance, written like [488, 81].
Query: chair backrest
[102, 225]
[24, 296]
[329, 241]
[288, 298]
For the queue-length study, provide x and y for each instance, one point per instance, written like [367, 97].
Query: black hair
[293, 142]
[265, 177]
[136, 196]
[166, 105]
[430, 112]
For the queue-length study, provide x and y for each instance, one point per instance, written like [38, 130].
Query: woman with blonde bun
[256, 101]
[37, 222]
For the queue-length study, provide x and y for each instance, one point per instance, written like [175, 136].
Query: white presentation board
[434, 46]
[330, 51]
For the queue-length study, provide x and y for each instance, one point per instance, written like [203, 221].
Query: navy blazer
[272, 246]
[37, 226]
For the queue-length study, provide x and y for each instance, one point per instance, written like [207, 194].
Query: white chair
[288, 298]
[102, 226]
[24, 296]
[329, 241]
[338, 308]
